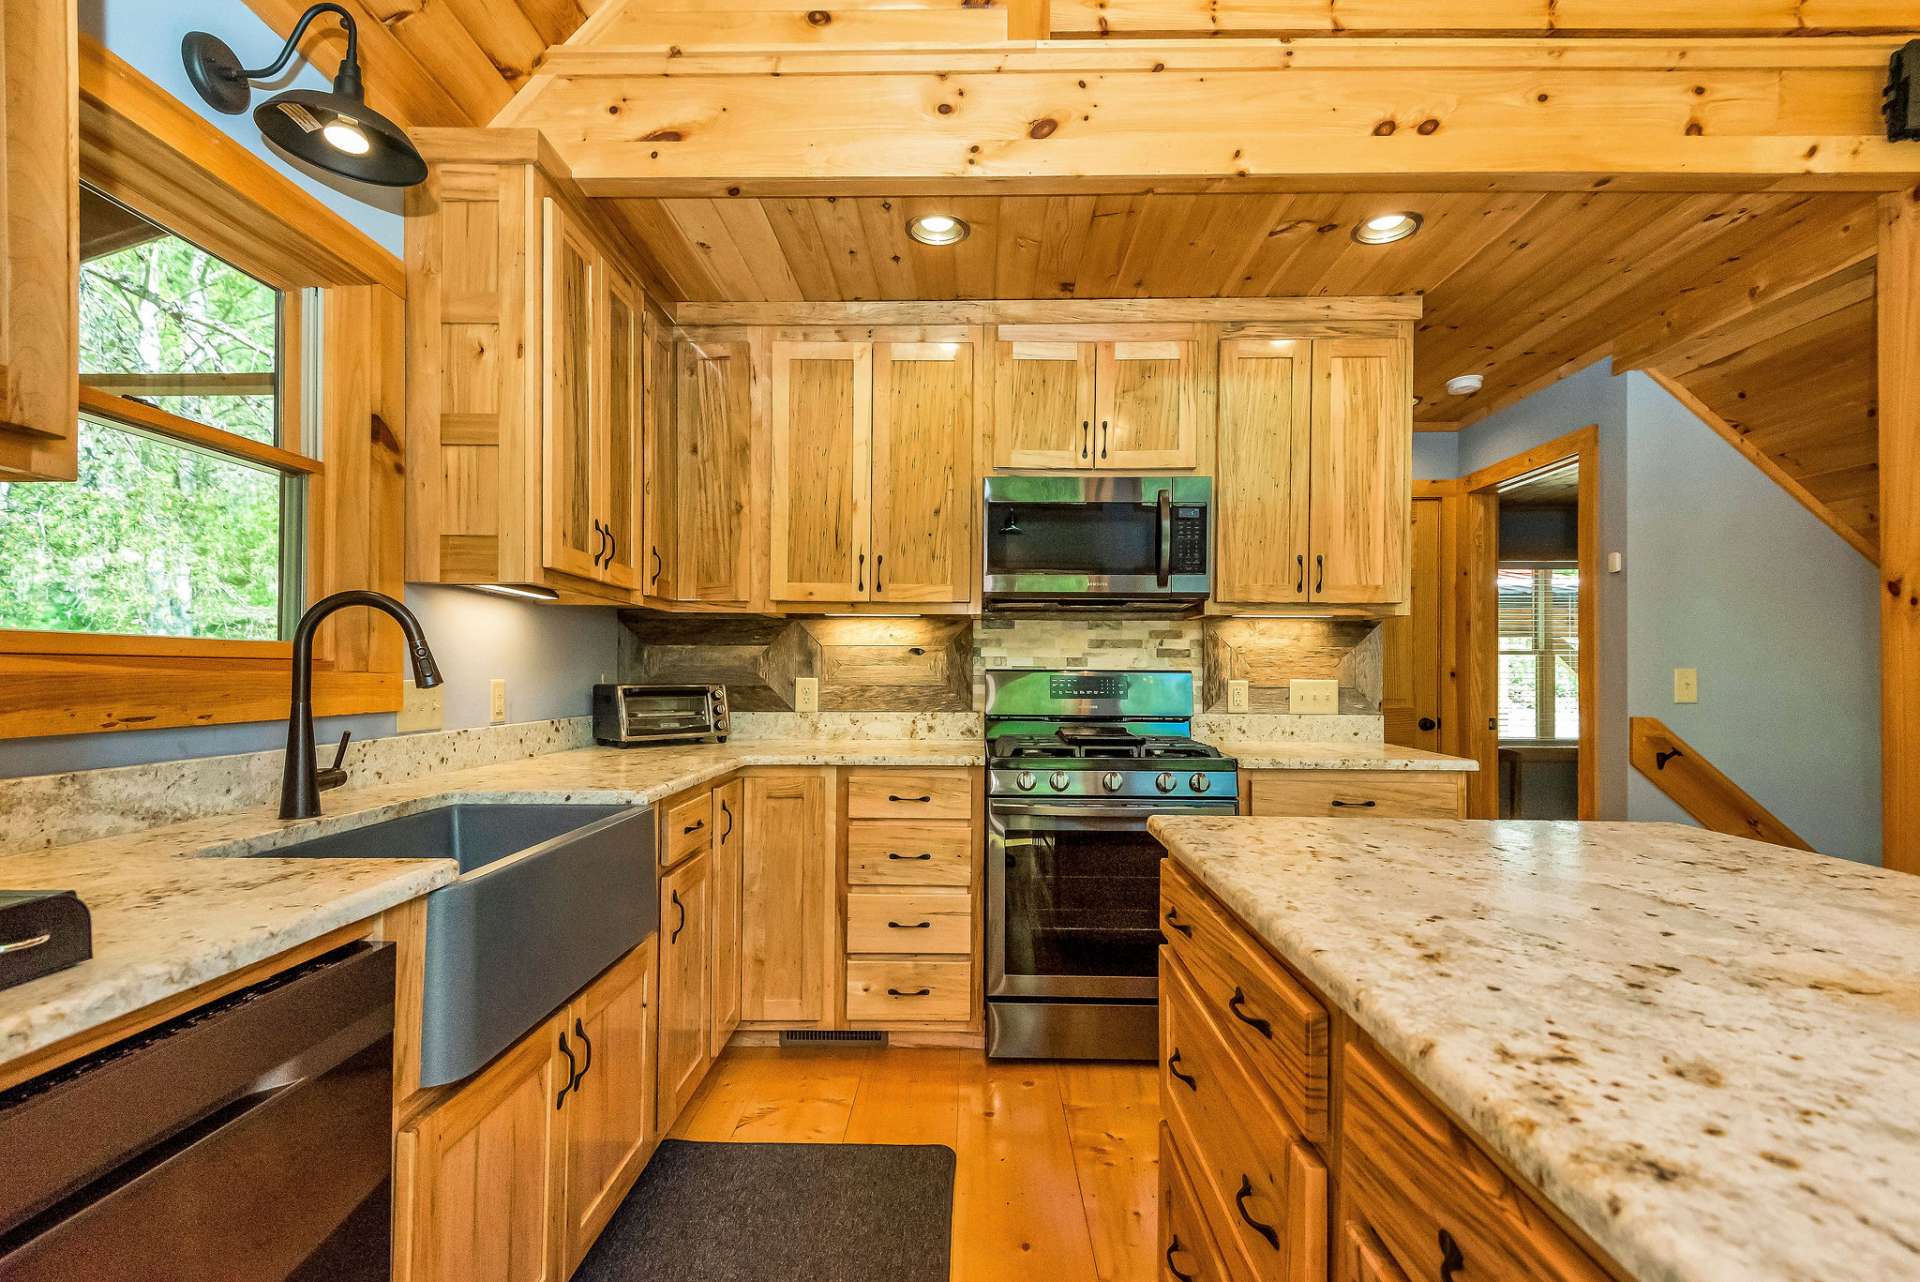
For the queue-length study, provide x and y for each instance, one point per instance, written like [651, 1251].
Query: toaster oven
[626, 716]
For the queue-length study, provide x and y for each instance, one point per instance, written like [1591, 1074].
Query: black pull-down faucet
[299, 789]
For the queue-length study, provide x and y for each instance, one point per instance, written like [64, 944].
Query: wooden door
[571, 541]
[1264, 443]
[786, 923]
[1043, 404]
[661, 477]
[713, 454]
[822, 441]
[617, 465]
[480, 1176]
[729, 836]
[609, 1112]
[686, 992]
[1145, 408]
[1362, 471]
[1411, 683]
[39, 255]
[922, 471]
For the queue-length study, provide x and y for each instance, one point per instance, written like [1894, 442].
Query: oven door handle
[1166, 537]
[1110, 810]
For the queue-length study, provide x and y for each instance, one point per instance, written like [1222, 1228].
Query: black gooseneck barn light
[336, 131]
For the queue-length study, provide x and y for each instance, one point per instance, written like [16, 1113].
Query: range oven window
[1073, 538]
[1081, 902]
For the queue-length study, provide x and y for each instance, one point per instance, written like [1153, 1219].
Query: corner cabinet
[1126, 401]
[702, 503]
[1316, 499]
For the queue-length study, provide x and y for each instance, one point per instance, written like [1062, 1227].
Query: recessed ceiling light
[1465, 384]
[1384, 229]
[937, 229]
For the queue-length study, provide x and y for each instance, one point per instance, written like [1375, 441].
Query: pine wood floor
[1057, 1173]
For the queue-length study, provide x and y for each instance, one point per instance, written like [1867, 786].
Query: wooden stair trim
[1672, 765]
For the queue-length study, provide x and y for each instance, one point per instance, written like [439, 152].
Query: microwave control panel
[1189, 540]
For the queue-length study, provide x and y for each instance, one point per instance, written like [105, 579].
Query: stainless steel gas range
[1077, 762]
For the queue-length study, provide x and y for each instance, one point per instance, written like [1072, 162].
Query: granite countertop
[169, 916]
[1286, 754]
[1703, 1050]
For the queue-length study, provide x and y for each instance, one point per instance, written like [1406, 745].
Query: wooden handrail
[1719, 803]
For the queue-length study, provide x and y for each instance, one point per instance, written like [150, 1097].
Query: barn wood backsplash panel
[1268, 653]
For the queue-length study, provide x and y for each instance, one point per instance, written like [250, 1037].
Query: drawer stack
[912, 848]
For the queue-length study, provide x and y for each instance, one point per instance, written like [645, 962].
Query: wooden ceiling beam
[1150, 18]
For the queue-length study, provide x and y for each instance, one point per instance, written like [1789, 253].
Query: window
[184, 521]
[1539, 651]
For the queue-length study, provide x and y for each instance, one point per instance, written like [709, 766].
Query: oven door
[1073, 893]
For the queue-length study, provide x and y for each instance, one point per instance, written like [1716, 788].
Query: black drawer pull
[1299, 574]
[586, 1044]
[1319, 573]
[1368, 804]
[1452, 1259]
[1266, 1231]
[909, 925]
[698, 824]
[726, 812]
[573, 1071]
[894, 854]
[681, 924]
[1173, 920]
[1173, 1066]
[919, 800]
[1172, 1246]
[918, 992]
[1258, 1025]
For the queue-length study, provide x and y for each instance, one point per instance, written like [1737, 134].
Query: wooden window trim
[155, 155]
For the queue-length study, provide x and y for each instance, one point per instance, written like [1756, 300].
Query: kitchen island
[1657, 1052]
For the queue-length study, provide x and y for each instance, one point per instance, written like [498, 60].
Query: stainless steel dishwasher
[247, 1141]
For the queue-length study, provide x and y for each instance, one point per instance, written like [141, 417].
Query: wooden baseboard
[951, 1038]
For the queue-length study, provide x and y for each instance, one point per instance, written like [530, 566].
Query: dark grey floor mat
[798, 1212]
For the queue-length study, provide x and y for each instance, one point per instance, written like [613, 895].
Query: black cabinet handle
[916, 800]
[909, 925]
[1173, 1066]
[586, 1045]
[1106, 436]
[879, 560]
[1428, 723]
[599, 541]
[573, 1070]
[1452, 1259]
[918, 992]
[1172, 1246]
[1173, 920]
[861, 586]
[1299, 572]
[1319, 571]
[680, 925]
[923, 855]
[656, 567]
[693, 827]
[726, 813]
[1368, 804]
[613, 546]
[1258, 1025]
[1086, 429]
[1266, 1231]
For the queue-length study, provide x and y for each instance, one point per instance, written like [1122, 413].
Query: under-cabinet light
[520, 593]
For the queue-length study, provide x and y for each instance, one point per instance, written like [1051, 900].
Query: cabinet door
[713, 456]
[822, 439]
[571, 540]
[1410, 643]
[39, 242]
[786, 922]
[922, 471]
[686, 995]
[1362, 471]
[617, 453]
[609, 1113]
[1043, 404]
[661, 480]
[729, 836]
[481, 1173]
[1265, 431]
[1146, 406]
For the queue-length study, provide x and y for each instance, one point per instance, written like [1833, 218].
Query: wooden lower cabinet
[609, 1111]
[786, 906]
[686, 994]
[1188, 1252]
[729, 839]
[1370, 794]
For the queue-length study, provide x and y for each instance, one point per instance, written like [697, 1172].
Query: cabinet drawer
[1373, 794]
[909, 921]
[909, 991]
[1363, 1259]
[687, 828]
[1276, 1025]
[1264, 1190]
[910, 794]
[1424, 1186]
[1188, 1252]
[903, 852]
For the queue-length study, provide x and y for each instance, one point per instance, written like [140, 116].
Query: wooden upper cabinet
[822, 437]
[39, 241]
[1145, 406]
[1361, 471]
[922, 471]
[659, 471]
[618, 457]
[1262, 491]
[1043, 404]
[571, 539]
[710, 453]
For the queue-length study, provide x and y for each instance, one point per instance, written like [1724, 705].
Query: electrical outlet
[1238, 696]
[806, 694]
[419, 709]
[497, 700]
[1686, 685]
[1313, 696]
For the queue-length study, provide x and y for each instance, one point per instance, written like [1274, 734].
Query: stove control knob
[1026, 781]
[1058, 780]
[1112, 780]
[1199, 783]
[1167, 781]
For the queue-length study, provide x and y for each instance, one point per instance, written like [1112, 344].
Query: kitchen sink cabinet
[609, 1115]
[686, 983]
[1122, 398]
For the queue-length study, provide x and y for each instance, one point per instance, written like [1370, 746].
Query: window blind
[1539, 630]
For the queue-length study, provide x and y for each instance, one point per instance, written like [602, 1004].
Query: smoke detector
[1465, 384]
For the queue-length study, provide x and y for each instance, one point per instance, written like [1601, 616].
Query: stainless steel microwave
[1097, 542]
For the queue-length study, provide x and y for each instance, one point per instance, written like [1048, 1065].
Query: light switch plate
[1686, 685]
[806, 694]
[419, 709]
[1313, 696]
[1238, 696]
[497, 700]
